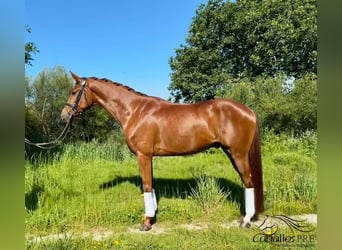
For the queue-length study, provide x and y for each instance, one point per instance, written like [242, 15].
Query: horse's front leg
[145, 164]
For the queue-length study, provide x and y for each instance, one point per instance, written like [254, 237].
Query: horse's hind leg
[241, 165]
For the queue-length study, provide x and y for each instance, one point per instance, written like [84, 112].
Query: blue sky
[125, 41]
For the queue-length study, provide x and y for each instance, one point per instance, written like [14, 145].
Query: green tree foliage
[281, 105]
[230, 41]
[44, 99]
[30, 48]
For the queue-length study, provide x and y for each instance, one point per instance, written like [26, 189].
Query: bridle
[75, 109]
[74, 106]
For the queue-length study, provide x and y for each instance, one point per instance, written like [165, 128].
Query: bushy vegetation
[282, 105]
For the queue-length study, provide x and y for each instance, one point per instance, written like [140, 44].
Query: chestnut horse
[155, 127]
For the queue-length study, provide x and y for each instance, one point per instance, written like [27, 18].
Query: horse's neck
[117, 100]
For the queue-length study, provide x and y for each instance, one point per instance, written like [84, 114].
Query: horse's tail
[254, 158]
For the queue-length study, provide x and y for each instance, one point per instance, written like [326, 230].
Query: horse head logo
[270, 224]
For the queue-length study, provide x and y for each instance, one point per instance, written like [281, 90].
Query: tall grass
[290, 172]
[96, 186]
[208, 194]
[94, 150]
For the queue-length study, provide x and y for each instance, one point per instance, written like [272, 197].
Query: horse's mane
[119, 85]
[126, 87]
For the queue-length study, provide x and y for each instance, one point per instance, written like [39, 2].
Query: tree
[30, 48]
[229, 41]
[44, 99]
[281, 105]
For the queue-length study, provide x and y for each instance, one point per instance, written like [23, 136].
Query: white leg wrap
[249, 202]
[154, 200]
[149, 204]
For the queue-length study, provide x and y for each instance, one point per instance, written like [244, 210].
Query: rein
[74, 107]
[53, 143]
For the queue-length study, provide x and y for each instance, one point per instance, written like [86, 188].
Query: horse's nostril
[64, 117]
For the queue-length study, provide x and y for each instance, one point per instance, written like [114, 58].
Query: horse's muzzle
[65, 115]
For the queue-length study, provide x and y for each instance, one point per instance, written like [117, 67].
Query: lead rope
[55, 142]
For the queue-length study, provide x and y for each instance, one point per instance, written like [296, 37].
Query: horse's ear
[76, 77]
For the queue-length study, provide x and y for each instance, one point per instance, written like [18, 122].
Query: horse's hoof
[245, 224]
[145, 228]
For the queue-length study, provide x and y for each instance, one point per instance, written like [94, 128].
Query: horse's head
[269, 226]
[79, 100]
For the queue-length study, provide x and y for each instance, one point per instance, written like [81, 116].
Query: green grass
[211, 238]
[96, 187]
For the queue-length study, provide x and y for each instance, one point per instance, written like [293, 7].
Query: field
[88, 196]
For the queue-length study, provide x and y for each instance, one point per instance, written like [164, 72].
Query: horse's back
[178, 129]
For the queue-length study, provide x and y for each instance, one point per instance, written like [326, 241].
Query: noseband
[74, 107]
